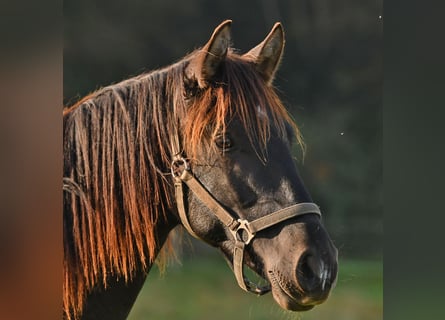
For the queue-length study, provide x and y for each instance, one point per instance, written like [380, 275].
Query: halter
[243, 231]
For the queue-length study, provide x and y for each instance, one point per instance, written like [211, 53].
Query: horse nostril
[311, 273]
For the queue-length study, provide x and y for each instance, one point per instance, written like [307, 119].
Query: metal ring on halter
[178, 166]
[242, 232]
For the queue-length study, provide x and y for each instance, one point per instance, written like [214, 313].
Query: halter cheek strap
[242, 230]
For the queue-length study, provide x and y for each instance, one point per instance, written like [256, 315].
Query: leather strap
[181, 208]
[198, 189]
[238, 263]
[282, 215]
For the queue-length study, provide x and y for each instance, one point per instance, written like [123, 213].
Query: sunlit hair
[117, 153]
[239, 93]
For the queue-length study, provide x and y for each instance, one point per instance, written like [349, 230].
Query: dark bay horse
[204, 143]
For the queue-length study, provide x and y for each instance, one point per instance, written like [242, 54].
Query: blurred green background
[330, 79]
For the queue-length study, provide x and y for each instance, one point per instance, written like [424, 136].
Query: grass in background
[205, 288]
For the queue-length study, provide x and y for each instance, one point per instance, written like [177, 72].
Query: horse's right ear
[207, 62]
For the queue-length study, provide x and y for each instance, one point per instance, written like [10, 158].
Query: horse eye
[224, 142]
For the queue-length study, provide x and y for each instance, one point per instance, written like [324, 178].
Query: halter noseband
[243, 231]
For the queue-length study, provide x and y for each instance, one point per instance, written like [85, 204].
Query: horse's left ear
[267, 54]
[204, 67]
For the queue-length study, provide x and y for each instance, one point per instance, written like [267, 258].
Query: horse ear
[205, 66]
[267, 54]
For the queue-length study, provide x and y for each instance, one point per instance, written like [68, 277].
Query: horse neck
[129, 211]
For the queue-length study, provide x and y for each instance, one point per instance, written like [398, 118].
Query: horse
[204, 143]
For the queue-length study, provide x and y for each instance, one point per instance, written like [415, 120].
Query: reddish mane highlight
[241, 92]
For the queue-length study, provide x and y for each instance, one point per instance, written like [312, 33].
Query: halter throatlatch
[243, 231]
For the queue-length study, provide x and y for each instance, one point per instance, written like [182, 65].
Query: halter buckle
[179, 166]
[242, 232]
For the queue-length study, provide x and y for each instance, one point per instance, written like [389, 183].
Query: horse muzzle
[307, 284]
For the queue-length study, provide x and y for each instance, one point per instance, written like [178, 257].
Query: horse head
[242, 191]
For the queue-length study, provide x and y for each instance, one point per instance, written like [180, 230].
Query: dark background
[330, 79]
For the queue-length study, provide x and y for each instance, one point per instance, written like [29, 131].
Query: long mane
[117, 152]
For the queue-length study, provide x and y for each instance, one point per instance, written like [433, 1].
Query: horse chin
[288, 296]
[288, 303]
[285, 294]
